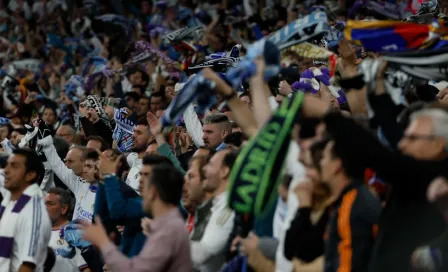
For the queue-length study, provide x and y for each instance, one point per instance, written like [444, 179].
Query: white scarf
[8, 233]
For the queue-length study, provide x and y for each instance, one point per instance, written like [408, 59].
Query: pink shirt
[167, 249]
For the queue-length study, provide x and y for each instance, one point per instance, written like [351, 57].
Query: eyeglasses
[415, 137]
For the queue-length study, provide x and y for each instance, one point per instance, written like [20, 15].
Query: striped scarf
[8, 232]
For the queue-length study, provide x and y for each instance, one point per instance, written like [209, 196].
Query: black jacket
[408, 220]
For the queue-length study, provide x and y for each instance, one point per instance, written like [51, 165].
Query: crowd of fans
[230, 135]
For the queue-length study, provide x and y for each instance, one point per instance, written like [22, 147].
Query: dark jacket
[407, 220]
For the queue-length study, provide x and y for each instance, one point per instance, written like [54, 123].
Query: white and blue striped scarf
[124, 128]
[196, 89]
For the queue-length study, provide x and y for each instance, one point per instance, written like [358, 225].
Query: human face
[132, 104]
[49, 117]
[145, 171]
[214, 172]
[140, 138]
[330, 166]
[193, 183]
[4, 132]
[152, 149]
[156, 102]
[186, 202]
[65, 132]
[16, 177]
[311, 171]
[213, 135]
[54, 208]
[143, 107]
[94, 144]
[419, 142]
[90, 171]
[73, 161]
[15, 138]
[136, 79]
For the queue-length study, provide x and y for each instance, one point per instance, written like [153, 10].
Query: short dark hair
[104, 144]
[142, 122]
[317, 150]
[92, 155]
[157, 94]
[32, 164]
[156, 159]
[134, 95]
[352, 168]
[168, 182]
[235, 138]
[64, 197]
[230, 158]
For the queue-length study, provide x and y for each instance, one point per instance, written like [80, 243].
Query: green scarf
[257, 170]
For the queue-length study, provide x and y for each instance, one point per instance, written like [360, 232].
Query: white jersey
[209, 254]
[32, 234]
[136, 164]
[62, 264]
[83, 191]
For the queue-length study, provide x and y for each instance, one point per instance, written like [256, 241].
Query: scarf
[73, 236]
[247, 67]
[4, 121]
[424, 64]
[31, 194]
[389, 36]
[300, 30]
[124, 128]
[196, 89]
[144, 50]
[396, 82]
[257, 170]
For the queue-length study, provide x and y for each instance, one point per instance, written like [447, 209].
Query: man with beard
[141, 138]
[209, 253]
[216, 128]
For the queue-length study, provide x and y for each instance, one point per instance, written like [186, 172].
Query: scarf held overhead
[257, 170]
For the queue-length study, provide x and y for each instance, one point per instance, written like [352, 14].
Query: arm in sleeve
[386, 113]
[65, 174]
[362, 148]
[165, 150]
[214, 240]
[101, 202]
[93, 259]
[33, 243]
[153, 257]
[294, 235]
[120, 207]
[365, 213]
[103, 131]
[7, 146]
[88, 127]
[193, 125]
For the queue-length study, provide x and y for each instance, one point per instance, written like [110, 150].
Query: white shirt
[64, 264]
[297, 171]
[84, 193]
[133, 179]
[209, 253]
[32, 234]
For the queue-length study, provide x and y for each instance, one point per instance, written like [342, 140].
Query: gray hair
[439, 118]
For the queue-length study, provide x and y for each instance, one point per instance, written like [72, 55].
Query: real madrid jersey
[64, 264]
